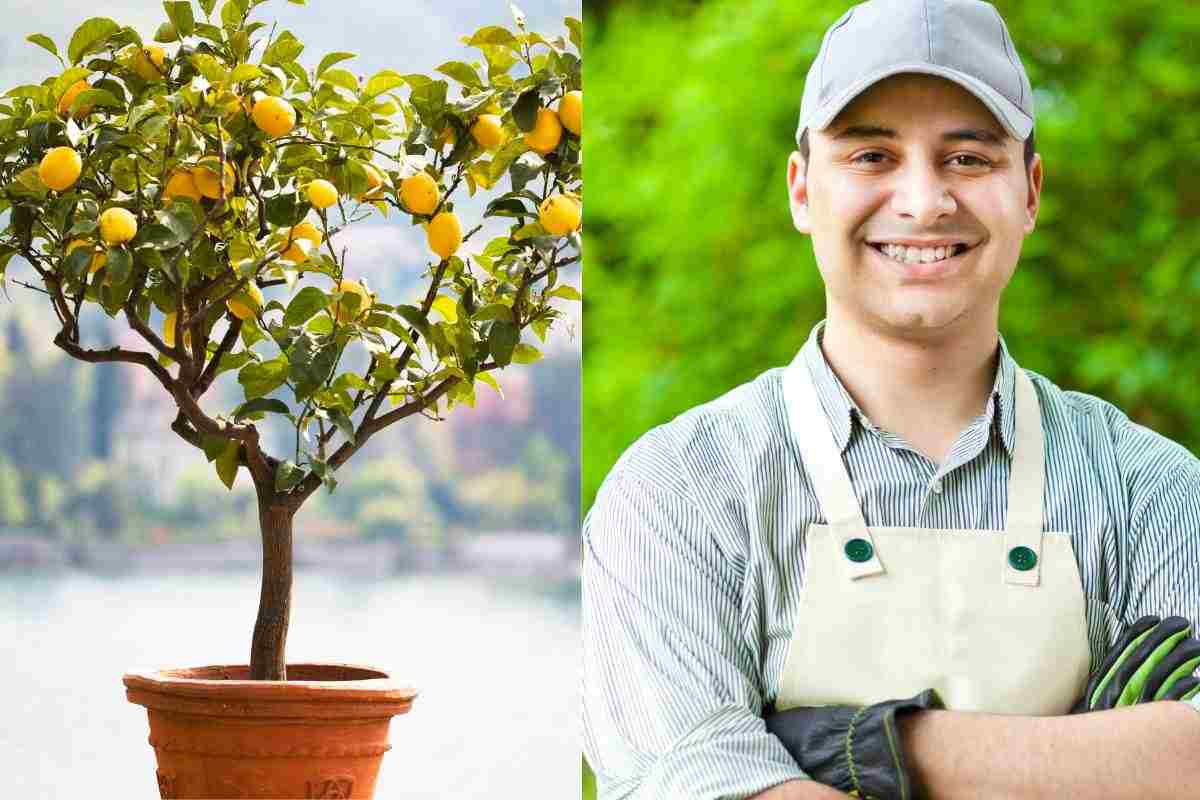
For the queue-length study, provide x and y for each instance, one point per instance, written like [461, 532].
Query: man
[880, 516]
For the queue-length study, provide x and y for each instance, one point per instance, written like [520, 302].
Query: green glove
[1153, 660]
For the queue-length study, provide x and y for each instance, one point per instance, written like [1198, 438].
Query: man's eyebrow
[983, 135]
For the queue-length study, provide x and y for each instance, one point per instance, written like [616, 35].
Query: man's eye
[859, 158]
[979, 162]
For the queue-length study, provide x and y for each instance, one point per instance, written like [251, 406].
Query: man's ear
[797, 185]
[1034, 196]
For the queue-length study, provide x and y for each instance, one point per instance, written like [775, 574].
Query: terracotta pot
[321, 733]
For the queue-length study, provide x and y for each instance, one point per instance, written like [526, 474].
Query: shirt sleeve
[1164, 564]
[671, 707]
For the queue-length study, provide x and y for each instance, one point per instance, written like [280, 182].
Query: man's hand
[1153, 660]
[852, 749]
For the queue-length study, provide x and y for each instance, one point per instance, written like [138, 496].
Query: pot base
[320, 734]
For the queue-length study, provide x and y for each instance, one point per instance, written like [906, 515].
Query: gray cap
[964, 41]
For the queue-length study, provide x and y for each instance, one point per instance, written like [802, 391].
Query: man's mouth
[906, 254]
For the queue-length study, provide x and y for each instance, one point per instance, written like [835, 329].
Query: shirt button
[936, 486]
[859, 550]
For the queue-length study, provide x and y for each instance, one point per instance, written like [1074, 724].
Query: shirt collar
[841, 409]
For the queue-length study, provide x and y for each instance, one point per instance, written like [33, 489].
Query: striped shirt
[694, 560]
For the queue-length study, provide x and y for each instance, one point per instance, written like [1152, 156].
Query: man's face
[866, 187]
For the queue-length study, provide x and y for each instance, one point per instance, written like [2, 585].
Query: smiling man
[892, 565]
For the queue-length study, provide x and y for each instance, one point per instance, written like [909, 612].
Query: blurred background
[445, 556]
[698, 281]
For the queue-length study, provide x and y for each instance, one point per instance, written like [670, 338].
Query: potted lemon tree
[197, 188]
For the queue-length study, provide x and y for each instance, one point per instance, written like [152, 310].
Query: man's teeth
[916, 255]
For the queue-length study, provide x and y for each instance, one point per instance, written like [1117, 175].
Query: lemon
[445, 234]
[321, 193]
[447, 137]
[147, 62]
[570, 112]
[206, 180]
[375, 183]
[488, 131]
[546, 133]
[238, 104]
[64, 102]
[180, 184]
[342, 310]
[98, 259]
[60, 168]
[419, 193]
[274, 116]
[117, 225]
[246, 303]
[169, 332]
[560, 214]
[304, 230]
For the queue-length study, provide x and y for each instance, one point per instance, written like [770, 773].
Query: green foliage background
[698, 281]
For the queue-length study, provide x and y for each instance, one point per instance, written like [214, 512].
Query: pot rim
[368, 683]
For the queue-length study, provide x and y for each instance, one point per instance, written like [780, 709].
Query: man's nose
[922, 194]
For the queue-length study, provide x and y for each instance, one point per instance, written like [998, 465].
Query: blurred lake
[495, 660]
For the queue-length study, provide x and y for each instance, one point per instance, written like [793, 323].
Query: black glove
[854, 749]
[1153, 660]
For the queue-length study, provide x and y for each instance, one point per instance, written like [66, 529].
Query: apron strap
[1026, 482]
[823, 461]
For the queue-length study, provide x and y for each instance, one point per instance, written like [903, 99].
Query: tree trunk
[267, 657]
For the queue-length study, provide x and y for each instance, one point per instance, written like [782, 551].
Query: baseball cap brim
[1015, 121]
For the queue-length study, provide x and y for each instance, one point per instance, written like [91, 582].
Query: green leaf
[156, 236]
[245, 72]
[67, 80]
[308, 301]
[207, 6]
[311, 360]
[180, 14]
[96, 97]
[166, 33]
[414, 317]
[565, 292]
[45, 42]
[526, 354]
[491, 34]
[119, 265]
[494, 311]
[258, 380]
[78, 262]
[429, 101]
[463, 73]
[213, 446]
[502, 338]
[446, 307]
[259, 405]
[227, 463]
[342, 78]
[330, 59]
[526, 108]
[383, 81]
[343, 423]
[284, 49]
[89, 37]
[490, 381]
[287, 476]
[286, 210]
[575, 31]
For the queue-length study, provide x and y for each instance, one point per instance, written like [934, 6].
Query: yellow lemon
[488, 131]
[246, 303]
[343, 310]
[64, 102]
[445, 234]
[546, 133]
[98, 259]
[147, 62]
[274, 116]
[60, 168]
[117, 225]
[238, 104]
[180, 184]
[419, 193]
[169, 332]
[447, 137]
[560, 214]
[570, 112]
[304, 230]
[206, 180]
[321, 193]
[375, 184]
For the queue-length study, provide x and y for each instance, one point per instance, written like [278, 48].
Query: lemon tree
[200, 187]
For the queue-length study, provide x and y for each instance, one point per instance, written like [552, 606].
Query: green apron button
[859, 550]
[1022, 558]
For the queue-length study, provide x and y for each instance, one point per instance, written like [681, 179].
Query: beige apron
[993, 620]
